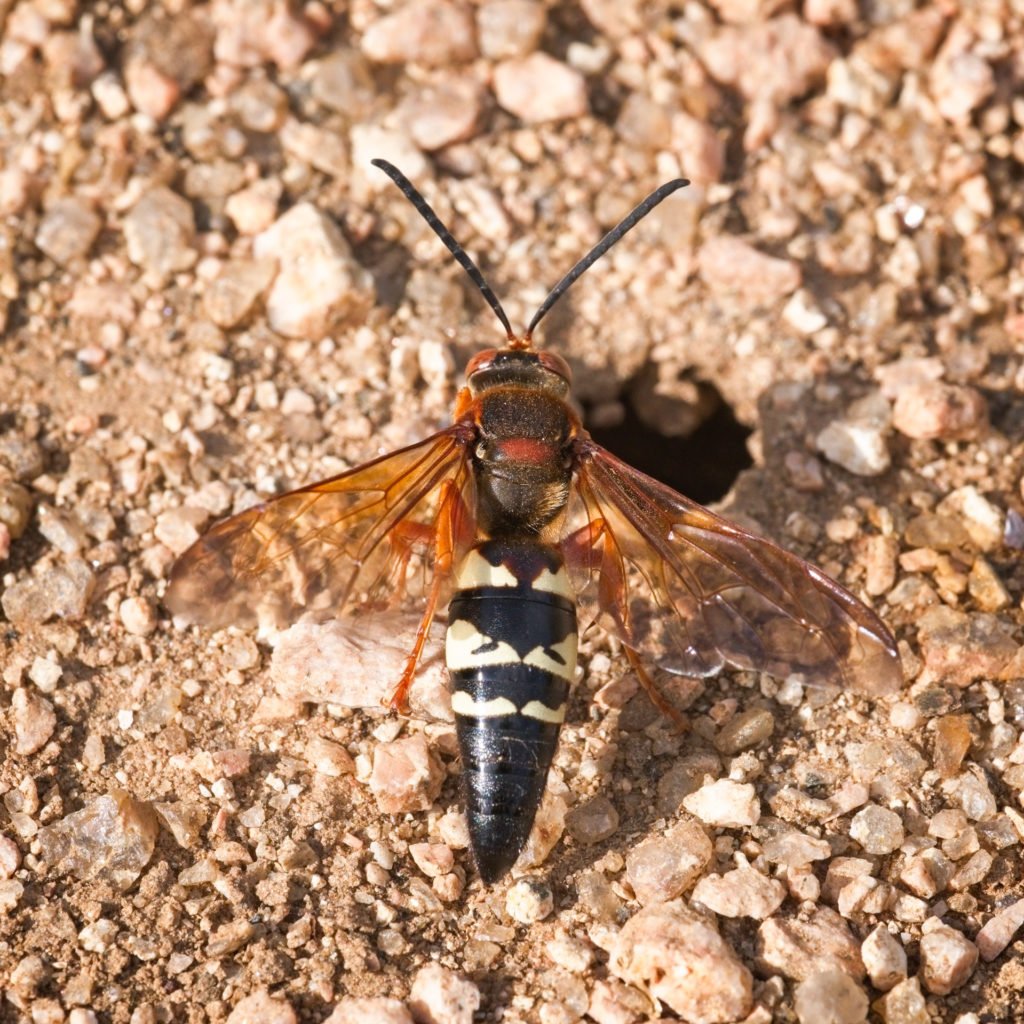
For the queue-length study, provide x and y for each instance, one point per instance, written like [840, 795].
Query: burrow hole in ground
[702, 464]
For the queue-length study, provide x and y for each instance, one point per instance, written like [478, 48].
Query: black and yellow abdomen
[511, 653]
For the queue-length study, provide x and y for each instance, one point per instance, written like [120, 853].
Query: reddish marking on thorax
[526, 449]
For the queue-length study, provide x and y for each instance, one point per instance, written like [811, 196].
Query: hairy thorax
[522, 460]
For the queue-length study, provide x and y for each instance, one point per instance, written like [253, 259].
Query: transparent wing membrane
[692, 593]
[354, 542]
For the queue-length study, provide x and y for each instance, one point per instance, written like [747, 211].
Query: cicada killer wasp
[525, 527]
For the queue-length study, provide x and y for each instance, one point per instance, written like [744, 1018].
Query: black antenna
[424, 210]
[600, 249]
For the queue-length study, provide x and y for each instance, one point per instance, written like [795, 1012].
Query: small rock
[742, 11]
[112, 838]
[937, 411]
[159, 232]
[971, 792]
[984, 522]
[998, 931]
[961, 79]
[11, 891]
[877, 829]
[62, 529]
[958, 648]
[987, 589]
[261, 106]
[905, 373]
[329, 758]
[743, 892]
[611, 1002]
[183, 820]
[905, 1004]
[151, 91]
[795, 849]
[10, 857]
[406, 776]
[305, 660]
[880, 554]
[287, 36]
[725, 804]
[948, 958]
[772, 61]
[231, 296]
[61, 592]
[940, 532]
[857, 442]
[644, 123]
[548, 825]
[15, 507]
[678, 957]
[454, 830]
[830, 996]
[24, 459]
[664, 867]
[45, 674]
[310, 144]
[434, 33]
[370, 141]
[98, 936]
[510, 28]
[344, 82]
[572, 953]
[440, 996]
[973, 871]
[229, 937]
[34, 721]
[952, 741]
[804, 471]
[441, 114]
[864, 895]
[231, 763]
[253, 209]
[110, 96]
[68, 229]
[137, 616]
[792, 804]
[262, 1008]
[745, 730]
[432, 859]
[592, 821]
[700, 148]
[884, 958]
[927, 873]
[380, 1010]
[15, 190]
[539, 88]
[799, 948]
[529, 900]
[803, 314]
[178, 528]
[733, 269]
[318, 281]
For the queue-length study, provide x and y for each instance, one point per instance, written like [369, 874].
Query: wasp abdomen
[511, 653]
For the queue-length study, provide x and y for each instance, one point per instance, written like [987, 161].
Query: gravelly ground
[207, 295]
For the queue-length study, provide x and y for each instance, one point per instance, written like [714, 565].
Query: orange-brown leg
[407, 537]
[657, 698]
[452, 520]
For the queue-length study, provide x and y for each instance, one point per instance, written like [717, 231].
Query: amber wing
[346, 544]
[692, 593]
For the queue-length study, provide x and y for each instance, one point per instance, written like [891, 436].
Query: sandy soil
[207, 296]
